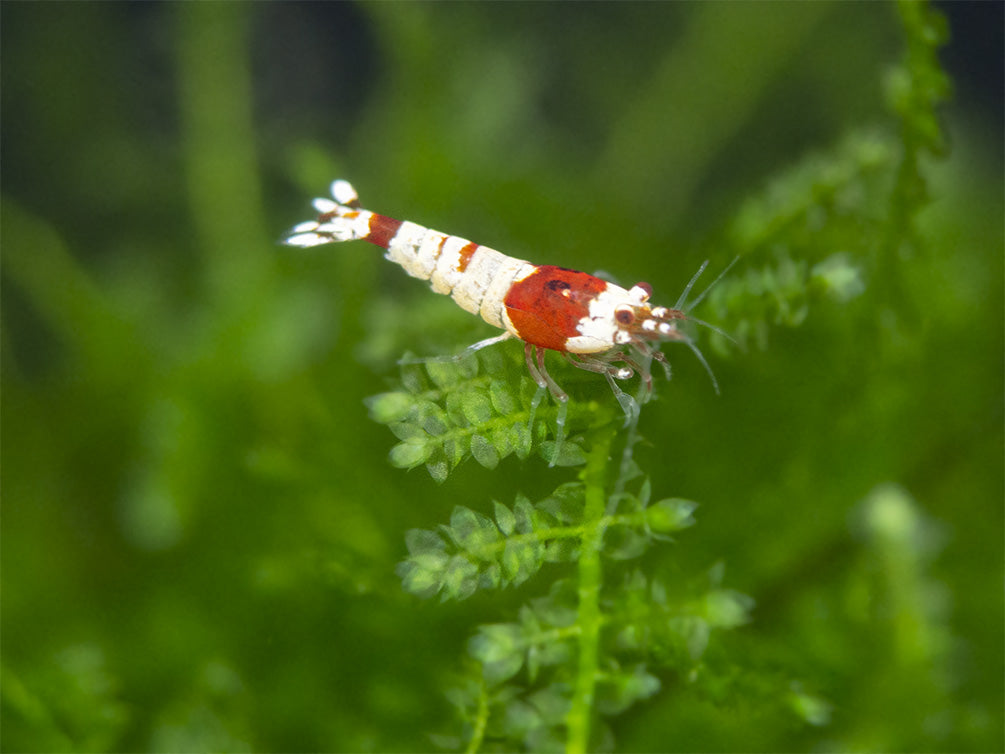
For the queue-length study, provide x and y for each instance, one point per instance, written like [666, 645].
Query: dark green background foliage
[202, 529]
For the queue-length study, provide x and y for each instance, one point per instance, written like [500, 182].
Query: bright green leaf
[476, 407]
[484, 452]
[504, 518]
[419, 541]
[389, 407]
[504, 401]
[411, 453]
[670, 515]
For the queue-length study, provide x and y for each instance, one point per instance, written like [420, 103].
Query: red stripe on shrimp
[382, 229]
[465, 254]
[546, 307]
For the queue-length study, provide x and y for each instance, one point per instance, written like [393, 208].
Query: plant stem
[594, 478]
[481, 718]
[214, 71]
[632, 437]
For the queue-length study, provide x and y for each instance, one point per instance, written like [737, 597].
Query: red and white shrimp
[594, 324]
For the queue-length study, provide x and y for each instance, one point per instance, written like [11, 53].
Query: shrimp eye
[624, 314]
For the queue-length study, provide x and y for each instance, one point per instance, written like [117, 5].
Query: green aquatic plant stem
[224, 188]
[481, 718]
[589, 618]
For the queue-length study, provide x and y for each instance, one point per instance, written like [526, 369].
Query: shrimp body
[596, 325]
[547, 307]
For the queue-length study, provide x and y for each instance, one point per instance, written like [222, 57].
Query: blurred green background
[200, 526]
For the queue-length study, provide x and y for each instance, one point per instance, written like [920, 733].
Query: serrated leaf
[626, 504]
[552, 702]
[812, 709]
[476, 407]
[631, 638]
[520, 560]
[500, 439]
[464, 696]
[419, 541]
[407, 431]
[484, 452]
[455, 448]
[455, 409]
[422, 574]
[420, 583]
[460, 578]
[549, 739]
[423, 407]
[560, 607]
[531, 625]
[389, 407]
[444, 374]
[569, 454]
[623, 543]
[643, 685]
[566, 503]
[468, 366]
[500, 649]
[520, 439]
[621, 689]
[524, 514]
[503, 399]
[725, 608]
[434, 423]
[839, 276]
[496, 643]
[519, 720]
[438, 470]
[693, 632]
[412, 379]
[645, 490]
[555, 653]
[430, 560]
[492, 361]
[670, 515]
[472, 531]
[411, 453]
[562, 551]
[505, 519]
[491, 577]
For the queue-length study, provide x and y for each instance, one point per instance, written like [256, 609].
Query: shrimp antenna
[701, 296]
[713, 328]
[701, 357]
[690, 284]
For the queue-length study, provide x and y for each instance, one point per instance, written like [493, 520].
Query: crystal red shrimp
[596, 325]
